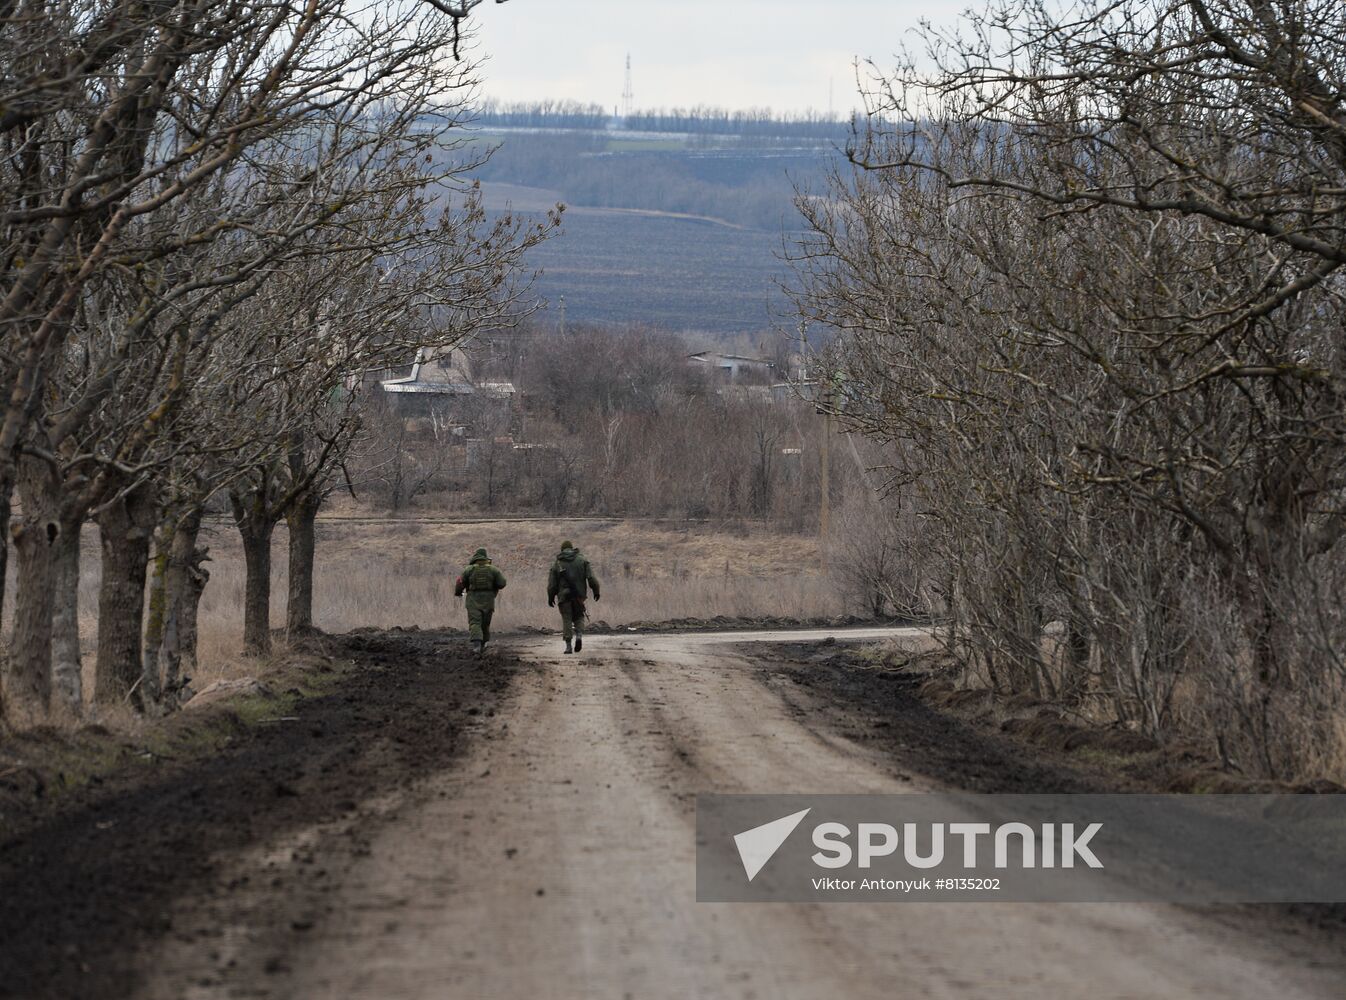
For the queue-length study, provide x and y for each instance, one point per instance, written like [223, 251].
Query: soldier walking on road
[568, 585]
[481, 582]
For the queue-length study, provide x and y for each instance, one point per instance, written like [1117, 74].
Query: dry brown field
[375, 571]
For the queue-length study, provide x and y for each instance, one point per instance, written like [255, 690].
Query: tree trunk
[67, 667]
[28, 667]
[189, 606]
[156, 617]
[301, 519]
[257, 590]
[5, 490]
[1078, 649]
[125, 528]
[7, 480]
[255, 526]
[181, 598]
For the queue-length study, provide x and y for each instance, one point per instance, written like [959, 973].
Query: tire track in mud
[567, 848]
[522, 826]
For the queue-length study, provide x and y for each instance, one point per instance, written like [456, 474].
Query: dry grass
[401, 572]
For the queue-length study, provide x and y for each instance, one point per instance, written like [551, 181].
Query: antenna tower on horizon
[628, 94]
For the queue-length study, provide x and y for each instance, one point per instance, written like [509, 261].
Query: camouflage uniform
[568, 585]
[481, 582]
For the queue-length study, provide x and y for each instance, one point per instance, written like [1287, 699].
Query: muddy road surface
[542, 847]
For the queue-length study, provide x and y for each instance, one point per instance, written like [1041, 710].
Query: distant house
[438, 386]
[733, 367]
[370, 379]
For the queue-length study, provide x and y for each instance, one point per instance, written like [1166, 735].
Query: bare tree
[1085, 279]
[163, 165]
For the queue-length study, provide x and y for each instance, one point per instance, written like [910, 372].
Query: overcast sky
[732, 53]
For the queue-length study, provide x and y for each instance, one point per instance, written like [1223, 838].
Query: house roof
[707, 355]
[431, 388]
[412, 384]
[436, 375]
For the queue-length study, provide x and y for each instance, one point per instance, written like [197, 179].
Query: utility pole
[563, 315]
[628, 93]
[825, 473]
[823, 403]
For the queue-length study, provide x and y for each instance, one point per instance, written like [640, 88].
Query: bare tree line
[1086, 278]
[701, 119]
[214, 215]
[547, 113]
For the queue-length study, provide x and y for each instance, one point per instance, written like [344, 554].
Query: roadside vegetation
[1087, 282]
[213, 218]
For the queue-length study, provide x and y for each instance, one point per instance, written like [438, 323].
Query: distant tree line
[750, 123]
[698, 120]
[558, 114]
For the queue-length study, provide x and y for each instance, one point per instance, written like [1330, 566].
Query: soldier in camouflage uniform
[568, 585]
[481, 582]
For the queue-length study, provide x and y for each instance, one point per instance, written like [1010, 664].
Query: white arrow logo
[757, 846]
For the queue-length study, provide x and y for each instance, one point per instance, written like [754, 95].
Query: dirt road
[556, 861]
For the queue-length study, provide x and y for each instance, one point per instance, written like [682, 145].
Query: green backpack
[480, 577]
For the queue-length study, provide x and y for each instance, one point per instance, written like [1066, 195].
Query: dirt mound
[212, 694]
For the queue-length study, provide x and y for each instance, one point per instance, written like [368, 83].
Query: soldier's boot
[476, 647]
[579, 642]
[567, 645]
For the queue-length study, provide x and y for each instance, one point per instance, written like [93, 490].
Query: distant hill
[633, 266]
[682, 230]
